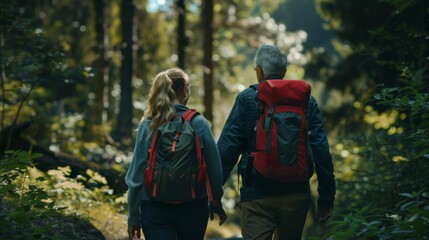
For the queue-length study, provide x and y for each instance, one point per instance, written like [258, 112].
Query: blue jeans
[168, 221]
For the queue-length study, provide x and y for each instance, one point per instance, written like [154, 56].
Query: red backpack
[176, 169]
[281, 131]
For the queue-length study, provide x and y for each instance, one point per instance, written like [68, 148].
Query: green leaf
[40, 179]
[414, 217]
[36, 155]
[407, 205]
[407, 195]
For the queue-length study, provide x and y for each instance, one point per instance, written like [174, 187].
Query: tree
[207, 19]
[100, 64]
[124, 119]
[181, 34]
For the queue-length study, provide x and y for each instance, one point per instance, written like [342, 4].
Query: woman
[162, 220]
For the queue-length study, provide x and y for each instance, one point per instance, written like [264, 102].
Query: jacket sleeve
[211, 156]
[232, 140]
[322, 157]
[134, 177]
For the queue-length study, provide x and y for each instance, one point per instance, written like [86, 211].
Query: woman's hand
[219, 211]
[134, 232]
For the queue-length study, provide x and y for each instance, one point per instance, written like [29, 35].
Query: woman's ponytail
[165, 86]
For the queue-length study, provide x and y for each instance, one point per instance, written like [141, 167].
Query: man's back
[238, 138]
[267, 205]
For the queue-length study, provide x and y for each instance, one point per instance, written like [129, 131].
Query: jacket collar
[180, 108]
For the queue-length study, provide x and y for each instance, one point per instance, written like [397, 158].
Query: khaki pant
[284, 215]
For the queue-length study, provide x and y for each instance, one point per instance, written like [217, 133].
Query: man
[268, 206]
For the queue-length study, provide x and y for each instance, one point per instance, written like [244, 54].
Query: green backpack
[176, 169]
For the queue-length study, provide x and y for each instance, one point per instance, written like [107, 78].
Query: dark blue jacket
[238, 139]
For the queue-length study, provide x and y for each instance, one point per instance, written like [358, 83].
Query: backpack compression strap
[188, 116]
[149, 175]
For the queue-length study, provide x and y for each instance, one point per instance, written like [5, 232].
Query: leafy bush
[22, 203]
[382, 180]
[385, 196]
[409, 220]
[36, 205]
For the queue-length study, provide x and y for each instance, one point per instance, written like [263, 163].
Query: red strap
[188, 115]
[193, 192]
[152, 156]
[203, 168]
[199, 156]
[173, 147]
[154, 190]
[153, 149]
[209, 190]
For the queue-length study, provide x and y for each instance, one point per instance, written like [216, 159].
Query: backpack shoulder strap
[190, 114]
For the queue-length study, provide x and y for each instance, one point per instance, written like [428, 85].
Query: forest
[75, 76]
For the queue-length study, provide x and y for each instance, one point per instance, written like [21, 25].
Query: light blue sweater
[134, 177]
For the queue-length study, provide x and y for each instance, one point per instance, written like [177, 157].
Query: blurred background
[75, 76]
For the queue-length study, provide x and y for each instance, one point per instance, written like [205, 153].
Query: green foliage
[382, 176]
[354, 225]
[386, 195]
[34, 74]
[408, 220]
[30, 57]
[26, 203]
[32, 204]
[77, 195]
[385, 42]
[413, 213]
[89, 197]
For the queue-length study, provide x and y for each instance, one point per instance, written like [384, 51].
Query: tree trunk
[181, 36]
[124, 123]
[100, 62]
[207, 19]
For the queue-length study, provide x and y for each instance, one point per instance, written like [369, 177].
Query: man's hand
[219, 211]
[134, 232]
[323, 214]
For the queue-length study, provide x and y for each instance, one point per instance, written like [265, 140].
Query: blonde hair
[165, 87]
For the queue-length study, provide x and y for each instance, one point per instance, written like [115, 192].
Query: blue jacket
[134, 177]
[238, 139]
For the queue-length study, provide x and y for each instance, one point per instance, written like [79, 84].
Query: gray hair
[272, 61]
